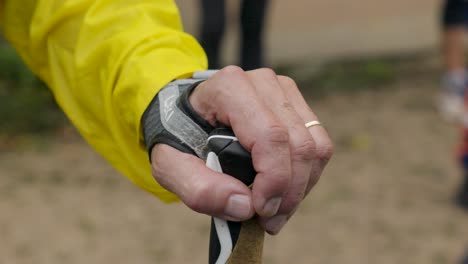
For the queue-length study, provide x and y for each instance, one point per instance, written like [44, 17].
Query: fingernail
[274, 225]
[238, 207]
[271, 207]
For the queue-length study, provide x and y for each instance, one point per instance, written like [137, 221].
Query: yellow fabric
[105, 60]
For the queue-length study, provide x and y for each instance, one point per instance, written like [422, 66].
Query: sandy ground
[386, 197]
[323, 29]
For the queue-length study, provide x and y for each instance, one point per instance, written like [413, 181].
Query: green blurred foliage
[346, 75]
[355, 75]
[26, 105]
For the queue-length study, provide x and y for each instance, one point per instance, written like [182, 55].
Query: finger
[323, 143]
[230, 98]
[200, 188]
[302, 146]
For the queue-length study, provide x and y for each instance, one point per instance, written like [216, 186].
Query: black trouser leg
[213, 20]
[253, 14]
[465, 260]
[454, 13]
[462, 196]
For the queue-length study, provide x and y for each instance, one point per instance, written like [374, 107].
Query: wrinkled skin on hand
[267, 113]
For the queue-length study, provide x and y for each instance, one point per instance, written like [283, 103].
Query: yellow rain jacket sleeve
[105, 60]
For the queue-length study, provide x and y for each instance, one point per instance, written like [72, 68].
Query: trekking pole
[233, 242]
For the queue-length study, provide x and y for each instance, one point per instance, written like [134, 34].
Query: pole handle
[233, 242]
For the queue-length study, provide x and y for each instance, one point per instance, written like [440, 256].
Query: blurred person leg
[455, 19]
[253, 13]
[213, 21]
[454, 81]
[462, 194]
[465, 260]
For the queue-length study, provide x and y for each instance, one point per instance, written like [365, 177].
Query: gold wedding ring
[312, 123]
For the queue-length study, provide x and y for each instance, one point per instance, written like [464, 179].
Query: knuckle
[267, 73]
[306, 151]
[232, 75]
[325, 150]
[287, 81]
[232, 71]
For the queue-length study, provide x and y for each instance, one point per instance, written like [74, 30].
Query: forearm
[105, 61]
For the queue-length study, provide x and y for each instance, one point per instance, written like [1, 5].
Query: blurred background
[372, 72]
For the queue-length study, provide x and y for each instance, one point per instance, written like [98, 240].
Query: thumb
[199, 187]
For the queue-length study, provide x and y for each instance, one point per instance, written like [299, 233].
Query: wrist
[171, 119]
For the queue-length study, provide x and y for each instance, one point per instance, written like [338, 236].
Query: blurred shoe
[462, 195]
[452, 97]
[465, 260]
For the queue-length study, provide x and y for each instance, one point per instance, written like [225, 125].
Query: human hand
[267, 114]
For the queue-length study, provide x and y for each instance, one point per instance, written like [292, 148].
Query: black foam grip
[236, 162]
